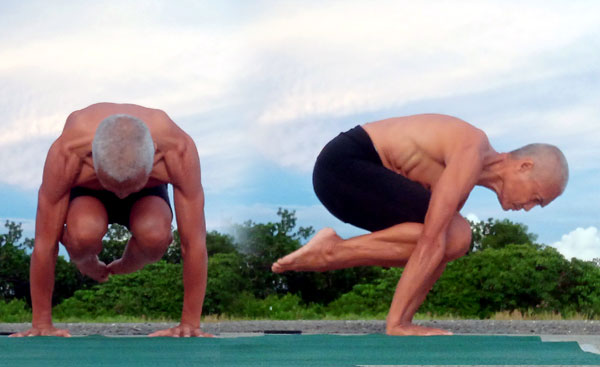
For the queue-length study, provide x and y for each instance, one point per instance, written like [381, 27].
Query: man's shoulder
[99, 111]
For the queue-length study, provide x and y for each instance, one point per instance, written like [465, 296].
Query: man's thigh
[373, 197]
[86, 221]
[150, 216]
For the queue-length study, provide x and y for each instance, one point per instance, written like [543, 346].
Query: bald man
[405, 180]
[112, 164]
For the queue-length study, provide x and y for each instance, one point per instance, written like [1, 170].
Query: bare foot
[122, 267]
[312, 256]
[412, 329]
[93, 268]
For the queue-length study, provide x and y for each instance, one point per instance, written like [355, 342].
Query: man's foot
[412, 329]
[93, 268]
[312, 256]
[123, 267]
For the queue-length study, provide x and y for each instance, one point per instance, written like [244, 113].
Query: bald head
[123, 150]
[549, 163]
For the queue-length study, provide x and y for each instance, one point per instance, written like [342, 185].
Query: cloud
[582, 243]
[329, 64]
[352, 56]
[473, 218]
[111, 55]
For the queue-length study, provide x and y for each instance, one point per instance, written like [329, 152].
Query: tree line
[506, 270]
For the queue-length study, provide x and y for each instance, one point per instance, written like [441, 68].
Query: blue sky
[262, 86]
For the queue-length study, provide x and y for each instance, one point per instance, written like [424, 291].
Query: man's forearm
[195, 263]
[422, 270]
[42, 285]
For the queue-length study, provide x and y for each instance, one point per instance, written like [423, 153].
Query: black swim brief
[354, 185]
[118, 210]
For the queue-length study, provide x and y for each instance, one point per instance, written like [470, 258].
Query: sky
[262, 86]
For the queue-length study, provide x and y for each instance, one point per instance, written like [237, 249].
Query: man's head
[535, 174]
[123, 154]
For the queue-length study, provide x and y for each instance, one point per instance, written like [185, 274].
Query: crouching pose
[405, 180]
[112, 164]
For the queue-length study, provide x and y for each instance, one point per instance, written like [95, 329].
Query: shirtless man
[111, 164]
[405, 180]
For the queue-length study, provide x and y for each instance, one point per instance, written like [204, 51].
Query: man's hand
[181, 330]
[43, 331]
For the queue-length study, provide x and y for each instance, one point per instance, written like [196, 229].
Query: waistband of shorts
[362, 139]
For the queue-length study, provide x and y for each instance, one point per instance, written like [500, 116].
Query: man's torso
[419, 146]
[76, 142]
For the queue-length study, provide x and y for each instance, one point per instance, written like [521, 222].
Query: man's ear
[525, 165]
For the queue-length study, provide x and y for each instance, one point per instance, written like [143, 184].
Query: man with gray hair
[112, 164]
[405, 180]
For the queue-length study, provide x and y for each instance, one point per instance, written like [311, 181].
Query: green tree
[14, 263]
[226, 281]
[216, 243]
[114, 242]
[262, 244]
[516, 277]
[496, 234]
[579, 288]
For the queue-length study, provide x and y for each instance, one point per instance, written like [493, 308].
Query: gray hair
[548, 161]
[123, 147]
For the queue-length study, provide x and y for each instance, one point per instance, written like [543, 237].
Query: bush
[15, 310]
[369, 299]
[225, 282]
[155, 291]
[515, 277]
[579, 289]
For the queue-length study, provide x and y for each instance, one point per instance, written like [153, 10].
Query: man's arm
[188, 195]
[53, 202]
[453, 187]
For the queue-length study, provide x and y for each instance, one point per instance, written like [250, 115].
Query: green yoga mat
[290, 350]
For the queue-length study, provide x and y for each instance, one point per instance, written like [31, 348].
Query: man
[405, 180]
[111, 164]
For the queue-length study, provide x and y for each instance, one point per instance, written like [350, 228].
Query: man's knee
[84, 235]
[459, 238]
[153, 237]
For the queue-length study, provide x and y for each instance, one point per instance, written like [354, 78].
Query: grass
[17, 311]
[500, 316]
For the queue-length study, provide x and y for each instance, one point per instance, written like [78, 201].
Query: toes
[276, 268]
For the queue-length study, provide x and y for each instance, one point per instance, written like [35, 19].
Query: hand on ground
[42, 331]
[183, 331]
[411, 329]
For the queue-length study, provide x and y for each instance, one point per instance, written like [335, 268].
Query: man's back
[75, 142]
[419, 146]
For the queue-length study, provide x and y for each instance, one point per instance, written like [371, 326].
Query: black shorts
[118, 210]
[352, 183]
